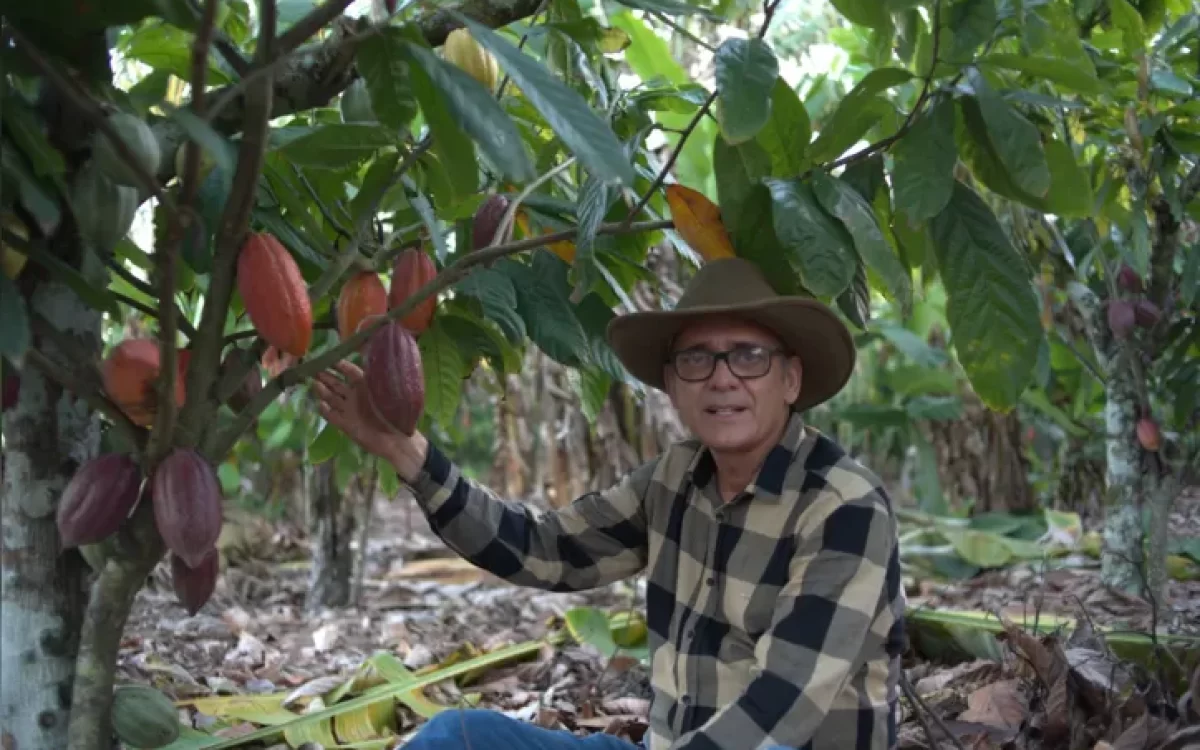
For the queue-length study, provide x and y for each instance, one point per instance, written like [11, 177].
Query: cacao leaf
[1047, 68]
[443, 367]
[870, 13]
[478, 337]
[816, 243]
[786, 133]
[672, 8]
[543, 305]
[923, 171]
[15, 336]
[381, 62]
[451, 144]
[1015, 140]
[1133, 32]
[856, 113]
[698, 221]
[213, 145]
[593, 316]
[978, 547]
[737, 168]
[843, 202]
[36, 195]
[25, 130]
[592, 386]
[971, 23]
[580, 128]
[328, 443]
[379, 179]
[425, 210]
[166, 48]
[746, 71]
[756, 240]
[991, 305]
[91, 294]
[855, 302]
[497, 296]
[867, 178]
[337, 145]
[595, 197]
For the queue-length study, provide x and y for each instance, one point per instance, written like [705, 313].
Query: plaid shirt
[775, 619]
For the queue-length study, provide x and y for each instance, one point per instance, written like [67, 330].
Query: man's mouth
[724, 411]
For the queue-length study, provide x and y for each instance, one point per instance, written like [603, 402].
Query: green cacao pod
[394, 377]
[98, 499]
[140, 139]
[104, 210]
[356, 103]
[143, 717]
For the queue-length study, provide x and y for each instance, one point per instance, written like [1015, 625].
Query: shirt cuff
[433, 477]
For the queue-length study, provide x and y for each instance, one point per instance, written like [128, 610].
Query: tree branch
[221, 444]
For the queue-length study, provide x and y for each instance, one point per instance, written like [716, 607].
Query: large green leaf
[969, 23]
[861, 108]
[845, 203]
[455, 150]
[817, 244]
[337, 145]
[379, 179]
[873, 14]
[786, 134]
[15, 337]
[1133, 32]
[543, 305]
[923, 171]
[476, 337]
[479, 114]
[1014, 139]
[746, 74]
[568, 114]
[753, 237]
[443, 367]
[1044, 67]
[991, 305]
[497, 297]
[738, 168]
[381, 62]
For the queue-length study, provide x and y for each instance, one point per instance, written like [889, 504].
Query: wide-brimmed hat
[736, 288]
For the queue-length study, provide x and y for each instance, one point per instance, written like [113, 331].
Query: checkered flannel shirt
[774, 620]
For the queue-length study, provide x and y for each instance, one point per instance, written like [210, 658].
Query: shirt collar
[768, 483]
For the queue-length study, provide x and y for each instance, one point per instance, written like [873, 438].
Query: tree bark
[48, 435]
[332, 531]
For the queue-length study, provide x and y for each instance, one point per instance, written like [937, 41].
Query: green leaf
[477, 337]
[672, 8]
[855, 302]
[991, 305]
[755, 240]
[1133, 33]
[15, 336]
[1015, 140]
[337, 145]
[856, 113]
[817, 243]
[592, 385]
[212, 143]
[379, 179]
[844, 202]
[455, 150]
[786, 134]
[873, 14]
[479, 114]
[1048, 68]
[737, 169]
[26, 130]
[498, 298]
[746, 74]
[543, 305]
[966, 24]
[329, 442]
[567, 113]
[381, 62]
[978, 547]
[923, 171]
[443, 367]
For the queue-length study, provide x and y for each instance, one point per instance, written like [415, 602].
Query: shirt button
[686, 700]
[711, 581]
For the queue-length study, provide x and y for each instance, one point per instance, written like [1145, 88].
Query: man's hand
[343, 403]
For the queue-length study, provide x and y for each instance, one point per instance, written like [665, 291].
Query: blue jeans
[481, 729]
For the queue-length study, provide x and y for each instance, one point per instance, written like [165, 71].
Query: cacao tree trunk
[333, 523]
[48, 434]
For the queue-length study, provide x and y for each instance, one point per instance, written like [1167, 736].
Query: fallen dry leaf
[999, 704]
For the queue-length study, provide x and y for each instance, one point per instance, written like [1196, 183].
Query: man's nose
[723, 376]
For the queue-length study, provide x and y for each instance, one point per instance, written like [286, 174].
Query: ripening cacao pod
[12, 260]
[1128, 279]
[394, 377]
[129, 375]
[104, 210]
[1146, 313]
[487, 220]
[462, 50]
[251, 384]
[1121, 318]
[140, 139]
[187, 504]
[356, 103]
[206, 163]
[98, 499]
[275, 295]
[194, 586]
[143, 717]
[12, 391]
[1148, 434]
[362, 296]
[413, 270]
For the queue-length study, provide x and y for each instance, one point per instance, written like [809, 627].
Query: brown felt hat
[736, 288]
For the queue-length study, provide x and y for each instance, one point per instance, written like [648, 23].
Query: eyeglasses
[744, 360]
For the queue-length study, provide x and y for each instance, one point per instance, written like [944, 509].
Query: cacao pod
[140, 139]
[1148, 434]
[462, 50]
[12, 260]
[252, 383]
[275, 295]
[413, 269]
[129, 375]
[194, 586]
[394, 378]
[206, 163]
[143, 717]
[98, 499]
[1121, 318]
[104, 210]
[1128, 280]
[12, 391]
[187, 504]
[363, 295]
[487, 220]
[355, 105]
[1146, 313]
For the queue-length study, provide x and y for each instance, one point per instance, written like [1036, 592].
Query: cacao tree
[487, 166]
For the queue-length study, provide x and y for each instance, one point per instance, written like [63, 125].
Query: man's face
[727, 412]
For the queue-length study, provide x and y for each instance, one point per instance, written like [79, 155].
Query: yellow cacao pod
[462, 50]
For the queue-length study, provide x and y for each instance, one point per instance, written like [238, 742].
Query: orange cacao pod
[363, 295]
[275, 294]
[394, 379]
[187, 505]
[98, 499]
[194, 586]
[129, 374]
[413, 270]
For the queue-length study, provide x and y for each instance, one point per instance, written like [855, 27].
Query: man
[774, 602]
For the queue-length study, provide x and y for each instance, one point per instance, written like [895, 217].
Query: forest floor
[427, 607]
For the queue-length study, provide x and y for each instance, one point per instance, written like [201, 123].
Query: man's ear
[794, 380]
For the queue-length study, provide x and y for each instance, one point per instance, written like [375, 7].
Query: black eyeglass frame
[718, 357]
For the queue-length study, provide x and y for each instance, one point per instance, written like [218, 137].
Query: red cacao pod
[1148, 434]
[413, 270]
[275, 294]
[1128, 280]
[12, 391]
[363, 295]
[1121, 318]
[194, 586]
[1146, 313]
[98, 499]
[487, 220]
[129, 374]
[394, 379]
[187, 504]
